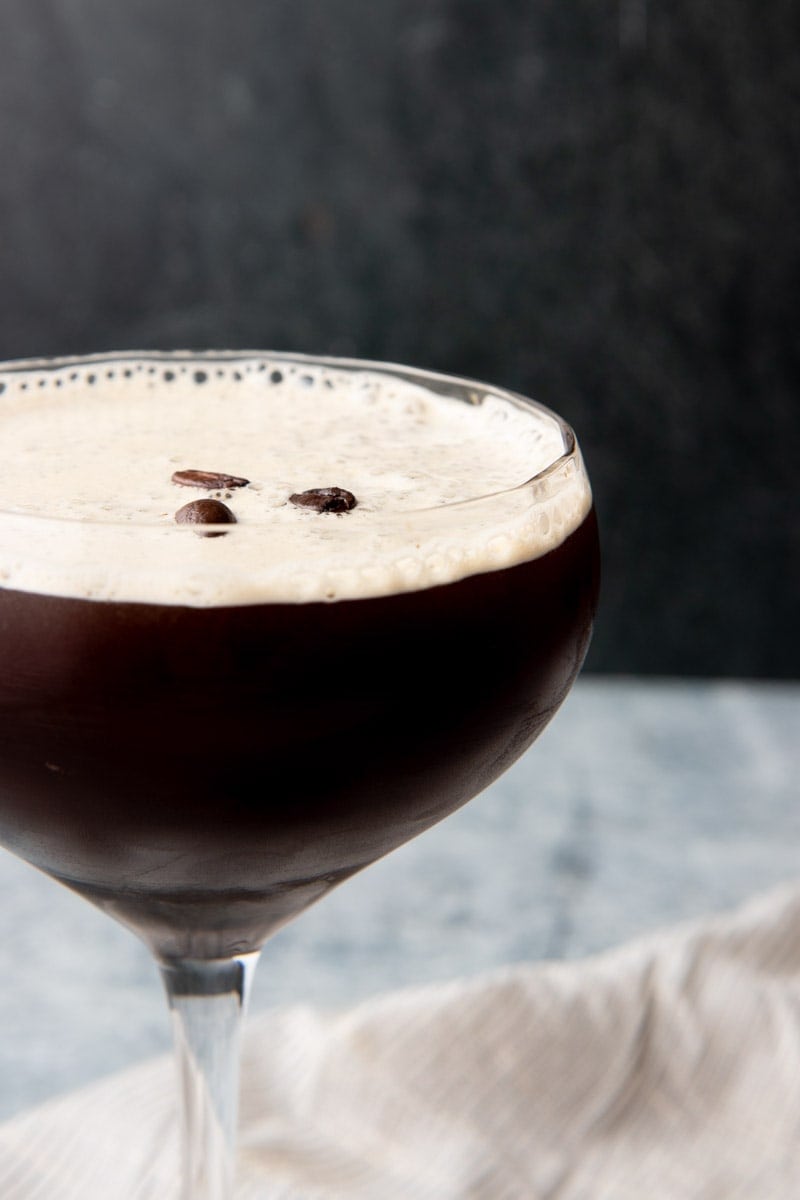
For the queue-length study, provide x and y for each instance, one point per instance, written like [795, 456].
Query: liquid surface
[91, 447]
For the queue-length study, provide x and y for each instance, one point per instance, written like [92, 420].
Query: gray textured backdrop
[592, 202]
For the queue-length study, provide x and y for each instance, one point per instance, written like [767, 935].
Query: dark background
[594, 203]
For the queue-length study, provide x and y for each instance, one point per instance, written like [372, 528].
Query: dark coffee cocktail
[263, 619]
[206, 770]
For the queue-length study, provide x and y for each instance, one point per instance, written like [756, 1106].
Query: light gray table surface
[644, 803]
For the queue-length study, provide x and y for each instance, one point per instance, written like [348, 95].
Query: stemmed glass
[204, 772]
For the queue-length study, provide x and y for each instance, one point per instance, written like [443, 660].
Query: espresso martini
[264, 619]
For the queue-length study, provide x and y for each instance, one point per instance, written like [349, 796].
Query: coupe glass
[203, 774]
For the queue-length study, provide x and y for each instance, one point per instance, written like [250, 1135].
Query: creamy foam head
[451, 478]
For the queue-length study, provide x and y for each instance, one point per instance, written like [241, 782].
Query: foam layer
[87, 501]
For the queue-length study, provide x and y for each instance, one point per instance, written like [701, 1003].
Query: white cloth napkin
[666, 1070]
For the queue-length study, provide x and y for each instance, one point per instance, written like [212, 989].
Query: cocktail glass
[203, 774]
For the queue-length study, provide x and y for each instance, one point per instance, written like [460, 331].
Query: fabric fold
[667, 1069]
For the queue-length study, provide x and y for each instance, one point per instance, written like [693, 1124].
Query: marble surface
[646, 802]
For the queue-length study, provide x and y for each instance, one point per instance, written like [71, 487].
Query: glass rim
[459, 387]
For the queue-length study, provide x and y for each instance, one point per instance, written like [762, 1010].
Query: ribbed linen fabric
[668, 1069]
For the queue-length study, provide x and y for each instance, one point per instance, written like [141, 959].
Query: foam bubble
[452, 478]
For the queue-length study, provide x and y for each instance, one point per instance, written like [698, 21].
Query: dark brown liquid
[205, 774]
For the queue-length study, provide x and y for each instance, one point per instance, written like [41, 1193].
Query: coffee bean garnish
[212, 480]
[206, 512]
[327, 499]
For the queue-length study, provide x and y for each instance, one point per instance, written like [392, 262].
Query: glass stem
[207, 1000]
